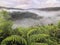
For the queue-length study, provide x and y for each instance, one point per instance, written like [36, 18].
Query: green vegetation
[38, 35]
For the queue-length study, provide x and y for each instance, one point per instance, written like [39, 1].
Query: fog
[48, 18]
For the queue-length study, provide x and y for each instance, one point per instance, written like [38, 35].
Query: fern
[38, 37]
[14, 39]
[32, 32]
[39, 44]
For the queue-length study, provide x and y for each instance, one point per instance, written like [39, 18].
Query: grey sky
[30, 3]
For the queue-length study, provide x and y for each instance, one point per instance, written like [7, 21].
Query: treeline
[22, 15]
[37, 35]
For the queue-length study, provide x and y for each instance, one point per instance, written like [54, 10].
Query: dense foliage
[37, 35]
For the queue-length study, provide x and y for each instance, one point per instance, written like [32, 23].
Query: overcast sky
[29, 3]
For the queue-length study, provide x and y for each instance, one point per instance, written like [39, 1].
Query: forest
[34, 35]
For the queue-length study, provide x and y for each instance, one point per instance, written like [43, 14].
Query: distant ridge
[11, 8]
[50, 9]
[42, 9]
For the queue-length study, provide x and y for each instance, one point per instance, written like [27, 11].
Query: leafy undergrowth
[37, 35]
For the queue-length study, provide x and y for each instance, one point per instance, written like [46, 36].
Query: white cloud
[22, 6]
[51, 1]
[3, 3]
[8, 3]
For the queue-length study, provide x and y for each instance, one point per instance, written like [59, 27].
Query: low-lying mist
[34, 17]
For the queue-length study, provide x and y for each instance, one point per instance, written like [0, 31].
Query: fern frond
[39, 44]
[33, 31]
[14, 39]
[39, 37]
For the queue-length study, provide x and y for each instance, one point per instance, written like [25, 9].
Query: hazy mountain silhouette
[42, 9]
